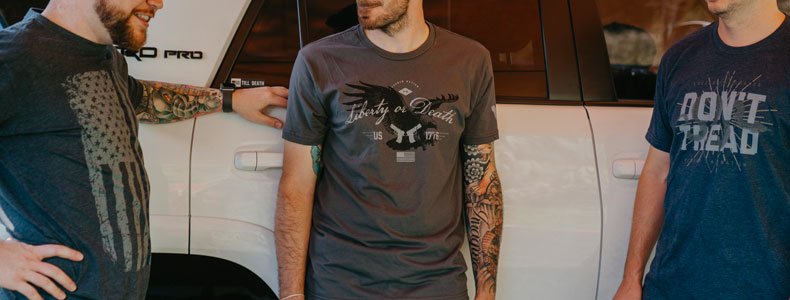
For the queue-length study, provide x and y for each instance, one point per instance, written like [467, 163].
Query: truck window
[12, 12]
[511, 30]
[272, 45]
[638, 33]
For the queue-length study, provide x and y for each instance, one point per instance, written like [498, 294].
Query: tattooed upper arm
[484, 212]
[167, 102]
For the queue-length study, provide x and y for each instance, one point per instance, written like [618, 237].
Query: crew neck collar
[400, 56]
[80, 44]
[768, 42]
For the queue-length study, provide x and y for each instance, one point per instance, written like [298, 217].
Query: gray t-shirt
[71, 168]
[387, 218]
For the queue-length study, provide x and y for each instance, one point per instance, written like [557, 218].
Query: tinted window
[511, 30]
[14, 11]
[272, 46]
[638, 33]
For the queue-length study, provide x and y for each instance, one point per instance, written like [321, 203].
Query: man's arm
[168, 102]
[484, 212]
[301, 166]
[647, 221]
[22, 269]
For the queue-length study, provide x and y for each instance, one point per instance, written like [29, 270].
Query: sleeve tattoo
[167, 102]
[484, 212]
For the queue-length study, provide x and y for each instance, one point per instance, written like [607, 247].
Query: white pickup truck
[569, 155]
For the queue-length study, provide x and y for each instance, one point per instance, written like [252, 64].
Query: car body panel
[551, 236]
[189, 25]
[232, 209]
[245, 244]
[169, 234]
[619, 135]
[167, 147]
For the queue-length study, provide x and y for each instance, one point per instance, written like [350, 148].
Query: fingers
[54, 272]
[251, 103]
[277, 96]
[279, 101]
[45, 251]
[279, 91]
[261, 118]
[29, 292]
[46, 284]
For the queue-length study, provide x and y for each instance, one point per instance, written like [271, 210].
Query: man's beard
[390, 22]
[119, 27]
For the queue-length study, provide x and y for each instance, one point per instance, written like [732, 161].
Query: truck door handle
[627, 168]
[257, 161]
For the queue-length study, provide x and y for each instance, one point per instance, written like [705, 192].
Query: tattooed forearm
[167, 102]
[318, 162]
[483, 201]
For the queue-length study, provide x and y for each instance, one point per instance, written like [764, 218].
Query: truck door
[545, 156]
[619, 100]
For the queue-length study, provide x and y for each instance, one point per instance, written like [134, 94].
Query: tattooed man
[715, 190]
[73, 190]
[389, 152]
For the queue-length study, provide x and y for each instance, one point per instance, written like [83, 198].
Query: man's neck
[410, 36]
[750, 24]
[80, 18]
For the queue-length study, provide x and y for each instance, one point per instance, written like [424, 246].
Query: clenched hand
[22, 268]
[251, 103]
[629, 291]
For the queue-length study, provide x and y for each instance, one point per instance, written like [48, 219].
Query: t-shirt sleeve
[136, 94]
[307, 116]
[481, 124]
[660, 134]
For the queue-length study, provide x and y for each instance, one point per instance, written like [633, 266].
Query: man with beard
[389, 150]
[715, 189]
[73, 190]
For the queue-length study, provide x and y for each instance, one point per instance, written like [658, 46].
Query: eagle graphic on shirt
[411, 123]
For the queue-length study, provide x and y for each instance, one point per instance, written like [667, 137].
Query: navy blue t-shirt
[723, 115]
[71, 167]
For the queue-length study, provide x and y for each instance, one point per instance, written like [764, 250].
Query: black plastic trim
[301, 13]
[562, 72]
[593, 59]
[239, 39]
[529, 101]
[622, 102]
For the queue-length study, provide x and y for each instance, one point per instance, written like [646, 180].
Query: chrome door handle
[257, 161]
[627, 168]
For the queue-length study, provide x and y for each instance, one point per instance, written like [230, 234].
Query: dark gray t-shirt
[387, 218]
[723, 115]
[71, 167]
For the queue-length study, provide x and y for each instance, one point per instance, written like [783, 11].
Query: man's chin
[371, 23]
